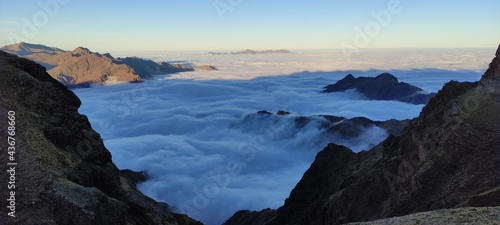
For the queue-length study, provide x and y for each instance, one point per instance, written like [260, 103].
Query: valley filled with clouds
[207, 151]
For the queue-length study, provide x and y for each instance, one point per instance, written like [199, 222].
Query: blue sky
[108, 26]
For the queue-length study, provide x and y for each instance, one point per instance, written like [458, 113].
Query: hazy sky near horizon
[110, 26]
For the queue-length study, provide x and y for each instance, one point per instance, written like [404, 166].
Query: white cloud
[209, 154]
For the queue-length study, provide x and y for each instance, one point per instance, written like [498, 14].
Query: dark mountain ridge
[64, 173]
[448, 157]
[383, 87]
[337, 125]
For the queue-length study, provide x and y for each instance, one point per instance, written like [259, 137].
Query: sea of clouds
[209, 154]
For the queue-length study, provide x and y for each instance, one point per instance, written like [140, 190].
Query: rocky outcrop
[493, 72]
[383, 87]
[447, 158]
[64, 174]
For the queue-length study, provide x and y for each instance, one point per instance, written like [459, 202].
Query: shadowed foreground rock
[447, 158]
[64, 174]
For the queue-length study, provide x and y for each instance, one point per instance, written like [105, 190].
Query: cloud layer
[208, 153]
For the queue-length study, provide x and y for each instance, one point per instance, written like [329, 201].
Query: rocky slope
[85, 67]
[64, 174]
[24, 49]
[82, 67]
[467, 215]
[448, 157]
[383, 87]
[79, 67]
[493, 72]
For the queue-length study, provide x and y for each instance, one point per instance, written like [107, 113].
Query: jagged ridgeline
[82, 67]
[64, 174]
[447, 158]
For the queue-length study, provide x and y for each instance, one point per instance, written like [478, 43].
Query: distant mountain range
[81, 67]
[252, 52]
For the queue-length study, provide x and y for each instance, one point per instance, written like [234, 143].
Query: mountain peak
[24, 48]
[493, 72]
[387, 77]
[383, 87]
[349, 77]
[81, 51]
